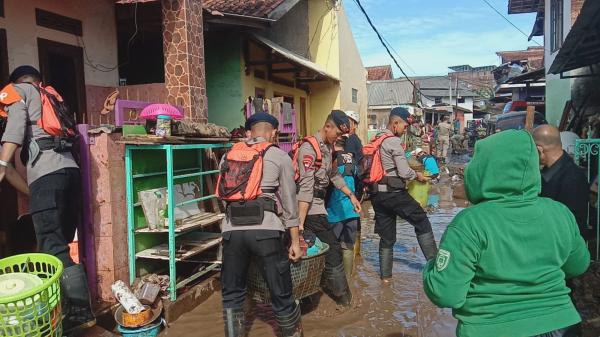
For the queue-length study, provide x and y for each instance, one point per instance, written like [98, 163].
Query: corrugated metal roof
[389, 93]
[439, 86]
[524, 6]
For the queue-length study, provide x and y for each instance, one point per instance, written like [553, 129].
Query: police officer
[392, 199]
[312, 185]
[55, 192]
[264, 242]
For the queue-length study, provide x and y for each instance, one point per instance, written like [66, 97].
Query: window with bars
[556, 24]
[354, 95]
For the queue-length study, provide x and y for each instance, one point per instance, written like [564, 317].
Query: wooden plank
[529, 118]
[190, 246]
[194, 222]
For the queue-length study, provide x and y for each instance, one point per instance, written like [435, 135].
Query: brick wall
[576, 9]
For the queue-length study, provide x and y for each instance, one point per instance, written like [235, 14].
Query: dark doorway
[61, 66]
[140, 43]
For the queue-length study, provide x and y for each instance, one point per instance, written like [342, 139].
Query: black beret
[402, 113]
[261, 117]
[341, 120]
[22, 71]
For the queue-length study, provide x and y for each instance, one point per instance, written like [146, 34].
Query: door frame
[45, 47]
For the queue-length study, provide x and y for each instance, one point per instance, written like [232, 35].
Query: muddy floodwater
[397, 309]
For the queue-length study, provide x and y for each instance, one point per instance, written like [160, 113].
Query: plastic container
[36, 311]
[163, 126]
[151, 330]
[419, 191]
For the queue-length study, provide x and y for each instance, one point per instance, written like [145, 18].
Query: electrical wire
[387, 48]
[510, 22]
[102, 68]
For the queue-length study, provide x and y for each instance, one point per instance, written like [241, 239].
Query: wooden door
[61, 66]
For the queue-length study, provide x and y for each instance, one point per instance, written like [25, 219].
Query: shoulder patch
[308, 162]
[442, 260]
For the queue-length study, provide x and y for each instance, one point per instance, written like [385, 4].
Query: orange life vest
[371, 168]
[295, 153]
[241, 173]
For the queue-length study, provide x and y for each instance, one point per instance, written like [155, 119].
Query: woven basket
[306, 278]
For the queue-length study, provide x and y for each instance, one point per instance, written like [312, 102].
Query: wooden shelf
[194, 222]
[187, 247]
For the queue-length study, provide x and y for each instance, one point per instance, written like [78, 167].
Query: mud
[397, 309]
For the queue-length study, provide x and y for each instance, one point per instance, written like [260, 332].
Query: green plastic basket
[37, 312]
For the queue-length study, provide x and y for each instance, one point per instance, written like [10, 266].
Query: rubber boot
[428, 245]
[335, 284]
[348, 256]
[291, 325]
[386, 262]
[235, 322]
[76, 300]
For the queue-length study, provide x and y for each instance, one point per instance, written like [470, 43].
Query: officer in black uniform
[264, 242]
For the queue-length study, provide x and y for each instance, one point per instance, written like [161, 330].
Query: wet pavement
[397, 309]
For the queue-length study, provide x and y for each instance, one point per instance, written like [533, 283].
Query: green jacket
[502, 263]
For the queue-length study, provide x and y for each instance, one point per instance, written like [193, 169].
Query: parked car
[516, 120]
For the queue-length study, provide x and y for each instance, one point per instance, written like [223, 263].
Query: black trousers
[55, 206]
[572, 331]
[390, 205]
[268, 249]
[319, 225]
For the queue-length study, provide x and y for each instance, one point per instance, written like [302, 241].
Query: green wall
[223, 53]
[558, 92]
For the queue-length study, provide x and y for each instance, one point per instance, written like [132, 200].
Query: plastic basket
[37, 312]
[306, 278]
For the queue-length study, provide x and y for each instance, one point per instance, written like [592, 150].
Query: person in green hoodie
[503, 262]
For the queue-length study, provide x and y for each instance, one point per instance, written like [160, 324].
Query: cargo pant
[443, 146]
[268, 249]
[55, 206]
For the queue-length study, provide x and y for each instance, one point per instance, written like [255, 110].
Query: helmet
[354, 116]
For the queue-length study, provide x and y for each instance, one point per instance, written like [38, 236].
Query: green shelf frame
[171, 175]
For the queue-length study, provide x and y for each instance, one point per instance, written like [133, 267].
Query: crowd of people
[502, 265]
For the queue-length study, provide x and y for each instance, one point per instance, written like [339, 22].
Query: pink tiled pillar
[184, 57]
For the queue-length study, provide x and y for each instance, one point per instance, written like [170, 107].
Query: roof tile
[380, 73]
[255, 8]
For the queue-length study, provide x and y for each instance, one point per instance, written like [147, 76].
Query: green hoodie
[502, 263]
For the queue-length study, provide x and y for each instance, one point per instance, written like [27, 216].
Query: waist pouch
[251, 212]
[390, 184]
[58, 144]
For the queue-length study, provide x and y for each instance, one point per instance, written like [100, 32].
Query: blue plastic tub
[151, 330]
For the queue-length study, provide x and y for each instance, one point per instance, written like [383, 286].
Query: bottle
[303, 245]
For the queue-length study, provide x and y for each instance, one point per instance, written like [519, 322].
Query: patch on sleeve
[308, 162]
[442, 260]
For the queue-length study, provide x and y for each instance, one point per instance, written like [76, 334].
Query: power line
[510, 22]
[387, 48]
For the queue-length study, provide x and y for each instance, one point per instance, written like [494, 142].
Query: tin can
[163, 126]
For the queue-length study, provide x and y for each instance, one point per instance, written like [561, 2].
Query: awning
[538, 26]
[319, 73]
[582, 46]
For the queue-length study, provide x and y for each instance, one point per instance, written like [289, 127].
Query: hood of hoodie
[505, 167]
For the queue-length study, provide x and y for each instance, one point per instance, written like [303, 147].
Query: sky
[431, 35]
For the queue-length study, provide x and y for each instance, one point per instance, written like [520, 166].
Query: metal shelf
[184, 241]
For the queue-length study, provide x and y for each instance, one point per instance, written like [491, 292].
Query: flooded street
[391, 310]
